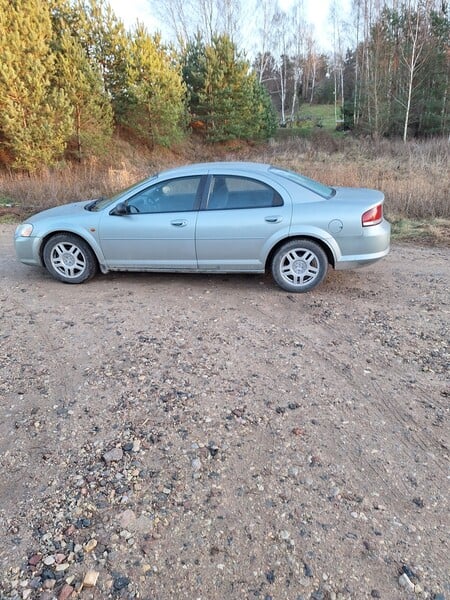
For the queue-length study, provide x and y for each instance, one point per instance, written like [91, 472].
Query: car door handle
[179, 223]
[274, 219]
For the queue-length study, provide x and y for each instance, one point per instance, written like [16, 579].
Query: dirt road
[214, 437]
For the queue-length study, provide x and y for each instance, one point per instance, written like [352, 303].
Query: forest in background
[71, 74]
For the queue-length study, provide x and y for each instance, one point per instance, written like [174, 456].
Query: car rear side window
[228, 192]
[173, 195]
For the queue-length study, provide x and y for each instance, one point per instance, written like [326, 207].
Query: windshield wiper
[93, 204]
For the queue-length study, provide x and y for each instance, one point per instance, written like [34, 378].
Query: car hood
[359, 195]
[66, 210]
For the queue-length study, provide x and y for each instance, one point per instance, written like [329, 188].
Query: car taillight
[373, 216]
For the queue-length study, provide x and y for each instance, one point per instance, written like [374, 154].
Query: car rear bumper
[366, 249]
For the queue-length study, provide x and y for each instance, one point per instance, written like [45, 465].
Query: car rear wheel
[69, 259]
[299, 265]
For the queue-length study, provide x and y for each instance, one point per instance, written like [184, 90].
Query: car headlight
[24, 230]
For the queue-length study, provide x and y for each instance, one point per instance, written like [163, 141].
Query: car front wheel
[69, 259]
[299, 265]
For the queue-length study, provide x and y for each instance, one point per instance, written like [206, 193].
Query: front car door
[158, 231]
[241, 219]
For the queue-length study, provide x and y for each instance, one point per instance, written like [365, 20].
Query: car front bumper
[28, 250]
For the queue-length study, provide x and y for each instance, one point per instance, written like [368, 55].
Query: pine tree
[35, 117]
[264, 117]
[92, 112]
[230, 99]
[105, 41]
[156, 110]
[193, 70]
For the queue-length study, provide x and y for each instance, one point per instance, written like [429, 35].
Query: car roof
[225, 166]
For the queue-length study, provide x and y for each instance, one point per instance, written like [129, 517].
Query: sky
[317, 13]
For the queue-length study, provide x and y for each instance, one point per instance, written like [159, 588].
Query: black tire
[70, 259]
[299, 265]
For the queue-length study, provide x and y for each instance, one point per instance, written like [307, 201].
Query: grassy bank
[413, 176]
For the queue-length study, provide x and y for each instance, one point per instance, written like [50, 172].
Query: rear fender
[313, 233]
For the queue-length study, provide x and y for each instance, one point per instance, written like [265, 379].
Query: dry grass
[414, 176]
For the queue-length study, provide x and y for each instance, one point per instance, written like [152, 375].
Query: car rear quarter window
[174, 195]
[310, 184]
[229, 192]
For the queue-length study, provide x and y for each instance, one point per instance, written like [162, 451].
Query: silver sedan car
[213, 218]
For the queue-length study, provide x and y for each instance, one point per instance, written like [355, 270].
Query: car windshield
[102, 203]
[319, 188]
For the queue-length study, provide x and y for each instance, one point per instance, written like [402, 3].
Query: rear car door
[240, 217]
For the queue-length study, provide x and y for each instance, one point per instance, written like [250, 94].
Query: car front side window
[174, 195]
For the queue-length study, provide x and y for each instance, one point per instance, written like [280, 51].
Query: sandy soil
[181, 436]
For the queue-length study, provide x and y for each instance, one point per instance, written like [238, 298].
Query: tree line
[71, 74]
[386, 69]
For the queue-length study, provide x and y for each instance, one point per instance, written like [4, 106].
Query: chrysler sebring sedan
[212, 218]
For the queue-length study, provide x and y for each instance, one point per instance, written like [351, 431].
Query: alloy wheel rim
[68, 260]
[299, 267]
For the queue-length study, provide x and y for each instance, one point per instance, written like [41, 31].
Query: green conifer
[35, 117]
[82, 83]
[156, 111]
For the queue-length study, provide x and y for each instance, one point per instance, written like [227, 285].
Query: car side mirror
[120, 210]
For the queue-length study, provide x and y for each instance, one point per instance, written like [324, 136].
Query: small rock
[136, 445]
[127, 519]
[60, 558]
[409, 572]
[113, 455]
[49, 560]
[285, 535]
[66, 592]
[47, 574]
[213, 449]
[35, 559]
[375, 594]
[83, 523]
[49, 584]
[35, 583]
[270, 576]
[405, 582]
[90, 545]
[120, 582]
[196, 464]
[70, 530]
[143, 524]
[125, 534]
[90, 579]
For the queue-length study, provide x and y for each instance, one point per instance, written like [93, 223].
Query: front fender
[90, 237]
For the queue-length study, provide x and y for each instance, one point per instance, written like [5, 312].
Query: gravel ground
[213, 437]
